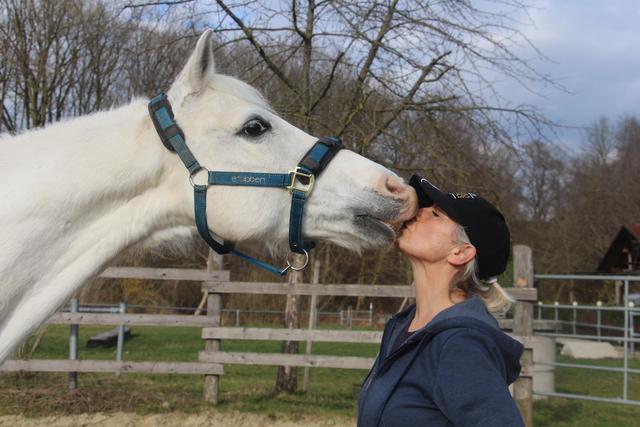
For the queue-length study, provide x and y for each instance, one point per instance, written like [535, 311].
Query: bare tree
[383, 58]
[359, 69]
[70, 57]
[42, 53]
[598, 194]
[601, 141]
[404, 82]
[541, 176]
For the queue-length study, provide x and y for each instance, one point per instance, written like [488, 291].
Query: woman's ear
[461, 254]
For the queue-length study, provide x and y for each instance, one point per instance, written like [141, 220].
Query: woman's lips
[406, 224]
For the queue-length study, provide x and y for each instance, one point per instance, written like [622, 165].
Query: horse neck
[80, 192]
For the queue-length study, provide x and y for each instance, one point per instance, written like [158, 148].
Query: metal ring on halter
[195, 172]
[290, 266]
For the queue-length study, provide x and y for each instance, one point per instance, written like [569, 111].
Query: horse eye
[255, 127]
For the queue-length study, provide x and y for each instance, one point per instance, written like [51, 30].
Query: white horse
[77, 193]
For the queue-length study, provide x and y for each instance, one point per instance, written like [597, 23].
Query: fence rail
[91, 314]
[281, 359]
[45, 365]
[181, 274]
[129, 319]
[377, 291]
[628, 338]
[280, 334]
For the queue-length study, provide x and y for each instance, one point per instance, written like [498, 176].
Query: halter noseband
[299, 182]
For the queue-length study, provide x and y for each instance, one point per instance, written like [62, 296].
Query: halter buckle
[305, 188]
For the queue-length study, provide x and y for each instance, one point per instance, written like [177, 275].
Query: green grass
[244, 388]
[595, 382]
[566, 412]
[250, 388]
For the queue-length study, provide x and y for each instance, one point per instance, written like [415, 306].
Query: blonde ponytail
[497, 301]
[494, 297]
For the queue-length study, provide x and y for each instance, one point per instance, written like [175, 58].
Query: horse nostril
[395, 186]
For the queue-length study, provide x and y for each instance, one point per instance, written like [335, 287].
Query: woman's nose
[421, 212]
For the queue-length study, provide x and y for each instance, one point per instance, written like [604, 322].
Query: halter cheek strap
[299, 182]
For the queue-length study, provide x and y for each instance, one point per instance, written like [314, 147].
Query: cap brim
[429, 195]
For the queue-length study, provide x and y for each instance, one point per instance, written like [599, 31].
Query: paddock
[212, 361]
[222, 354]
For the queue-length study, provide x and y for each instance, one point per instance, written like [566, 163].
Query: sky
[593, 50]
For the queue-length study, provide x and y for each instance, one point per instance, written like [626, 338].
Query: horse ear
[199, 69]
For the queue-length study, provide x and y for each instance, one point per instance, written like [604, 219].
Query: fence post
[575, 317]
[313, 318]
[350, 317]
[523, 326]
[214, 312]
[632, 332]
[625, 376]
[618, 286]
[539, 310]
[287, 377]
[73, 346]
[599, 318]
[120, 346]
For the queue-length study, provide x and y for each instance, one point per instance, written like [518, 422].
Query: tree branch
[6, 119]
[364, 71]
[249, 34]
[157, 3]
[406, 100]
[327, 86]
[294, 14]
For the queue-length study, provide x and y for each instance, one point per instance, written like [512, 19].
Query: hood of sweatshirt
[470, 313]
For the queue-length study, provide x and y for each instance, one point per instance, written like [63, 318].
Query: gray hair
[489, 290]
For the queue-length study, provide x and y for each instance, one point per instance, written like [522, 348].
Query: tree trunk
[287, 379]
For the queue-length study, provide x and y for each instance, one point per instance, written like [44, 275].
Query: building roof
[624, 250]
[634, 229]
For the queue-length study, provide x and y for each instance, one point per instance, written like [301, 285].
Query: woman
[444, 361]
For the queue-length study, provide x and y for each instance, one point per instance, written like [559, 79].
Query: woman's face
[430, 236]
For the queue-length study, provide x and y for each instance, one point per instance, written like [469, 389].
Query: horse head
[229, 126]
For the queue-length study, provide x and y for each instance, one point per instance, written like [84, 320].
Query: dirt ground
[219, 419]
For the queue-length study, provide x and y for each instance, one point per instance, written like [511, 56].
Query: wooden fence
[522, 325]
[279, 334]
[72, 366]
[211, 360]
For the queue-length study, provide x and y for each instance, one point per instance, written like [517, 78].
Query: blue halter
[299, 182]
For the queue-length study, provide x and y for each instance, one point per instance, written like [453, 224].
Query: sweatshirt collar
[472, 307]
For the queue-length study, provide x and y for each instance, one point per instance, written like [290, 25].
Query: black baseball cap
[483, 223]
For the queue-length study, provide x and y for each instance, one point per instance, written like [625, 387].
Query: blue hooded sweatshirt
[454, 371]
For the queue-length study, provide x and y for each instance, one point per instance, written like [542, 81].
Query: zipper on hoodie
[399, 350]
[375, 369]
[374, 372]
[392, 356]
